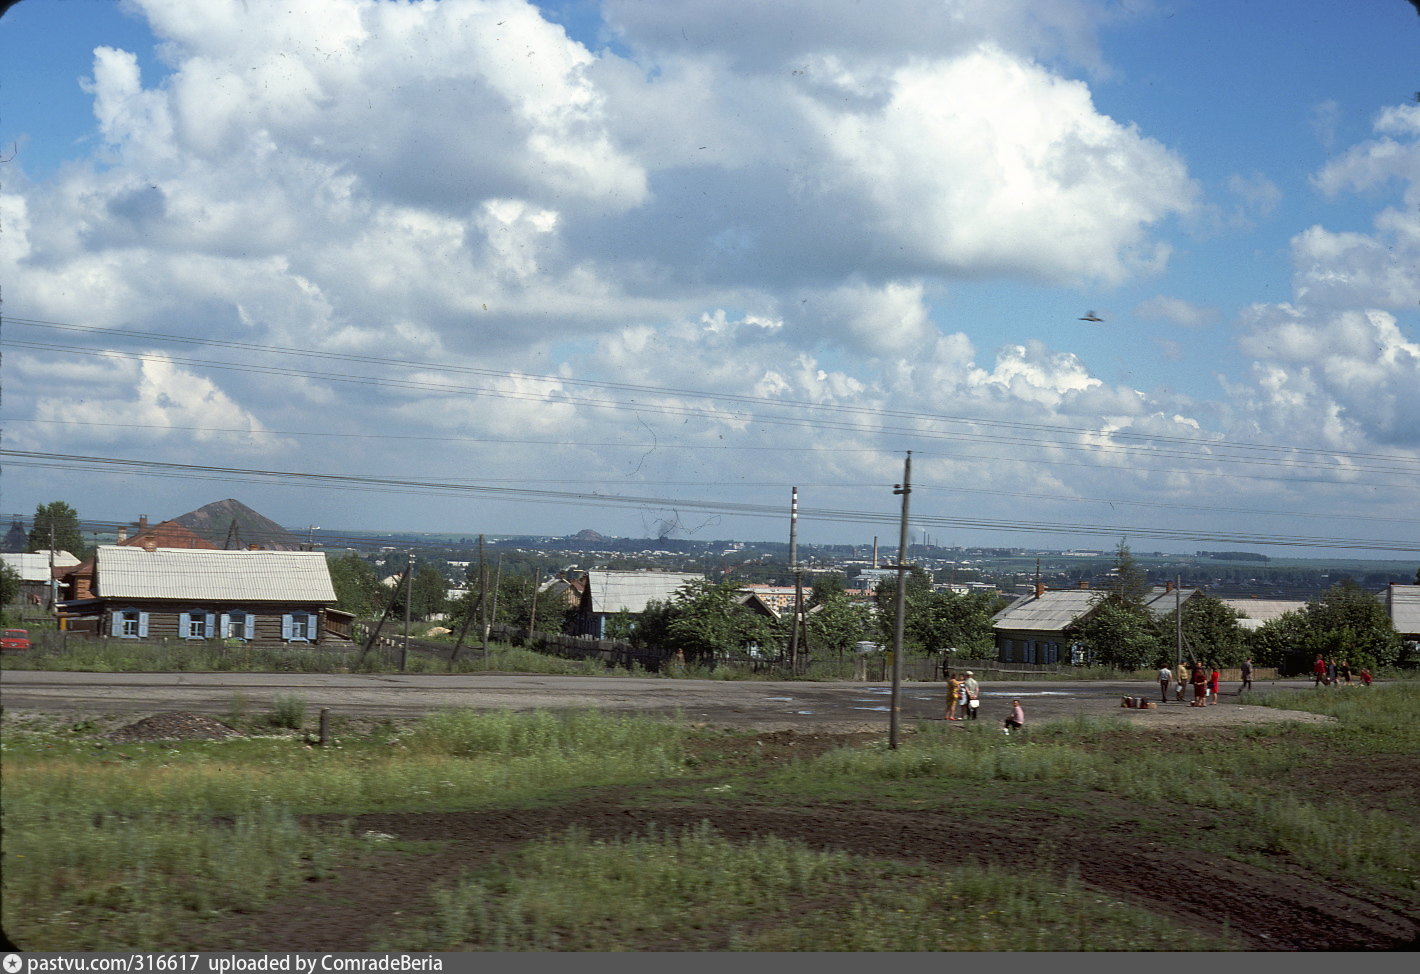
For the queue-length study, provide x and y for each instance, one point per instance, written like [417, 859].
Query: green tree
[357, 590]
[56, 525]
[704, 620]
[1282, 642]
[10, 588]
[515, 604]
[1349, 623]
[835, 623]
[1211, 633]
[952, 620]
[1129, 583]
[919, 588]
[1120, 634]
[1345, 623]
[827, 585]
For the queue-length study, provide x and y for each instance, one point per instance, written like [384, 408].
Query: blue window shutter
[184, 622]
[142, 624]
[249, 626]
[209, 625]
[286, 626]
[223, 623]
[312, 626]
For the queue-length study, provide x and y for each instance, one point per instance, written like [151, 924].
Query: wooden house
[273, 598]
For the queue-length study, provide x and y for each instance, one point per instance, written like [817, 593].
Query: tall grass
[694, 889]
[110, 847]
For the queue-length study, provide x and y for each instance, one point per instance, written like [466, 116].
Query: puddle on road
[780, 699]
[1030, 693]
[881, 709]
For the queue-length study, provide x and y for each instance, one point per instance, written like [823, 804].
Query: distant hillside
[216, 521]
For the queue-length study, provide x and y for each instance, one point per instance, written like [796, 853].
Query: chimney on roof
[1039, 589]
[142, 523]
[122, 535]
[1168, 587]
[150, 546]
[1083, 584]
[875, 552]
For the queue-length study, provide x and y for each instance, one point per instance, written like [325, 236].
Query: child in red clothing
[1213, 686]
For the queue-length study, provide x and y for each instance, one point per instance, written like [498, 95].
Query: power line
[152, 467]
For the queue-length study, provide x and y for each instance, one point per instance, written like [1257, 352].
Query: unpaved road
[790, 705]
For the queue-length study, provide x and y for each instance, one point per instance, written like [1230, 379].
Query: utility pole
[49, 586]
[1178, 619]
[905, 490]
[497, 583]
[483, 596]
[375, 633]
[408, 605]
[798, 581]
[532, 613]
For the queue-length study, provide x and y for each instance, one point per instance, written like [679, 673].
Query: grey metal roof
[1262, 610]
[1051, 612]
[1160, 602]
[190, 573]
[34, 567]
[630, 591]
[1403, 604]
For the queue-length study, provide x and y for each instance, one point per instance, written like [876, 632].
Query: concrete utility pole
[904, 489]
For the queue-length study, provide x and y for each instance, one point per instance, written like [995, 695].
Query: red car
[15, 639]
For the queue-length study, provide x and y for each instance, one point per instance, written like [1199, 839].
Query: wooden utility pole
[408, 605]
[532, 612]
[794, 633]
[1178, 619]
[493, 612]
[375, 633]
[905, 490]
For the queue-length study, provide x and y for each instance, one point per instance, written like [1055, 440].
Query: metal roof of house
[1161, 601]
[1403, 604]
[1050, 612]
[1263, 610]
[630, 591]
[203, 575]
[34, 567]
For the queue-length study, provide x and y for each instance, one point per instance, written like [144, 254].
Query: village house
[273, 598]
[1040, 628]
[607, 593]
[39, 572]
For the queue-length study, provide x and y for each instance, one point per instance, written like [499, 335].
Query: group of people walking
[1328, 673]
[1205, 683]
[964, 700]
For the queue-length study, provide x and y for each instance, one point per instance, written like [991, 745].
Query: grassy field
[716, 841]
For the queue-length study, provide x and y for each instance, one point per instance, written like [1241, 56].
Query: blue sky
[685, 255]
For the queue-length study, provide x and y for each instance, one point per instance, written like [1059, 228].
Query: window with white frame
[238, 624]
[196, 624]
[299, 627]
[129, 623]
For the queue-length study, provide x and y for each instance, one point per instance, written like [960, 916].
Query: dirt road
[803, 706]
